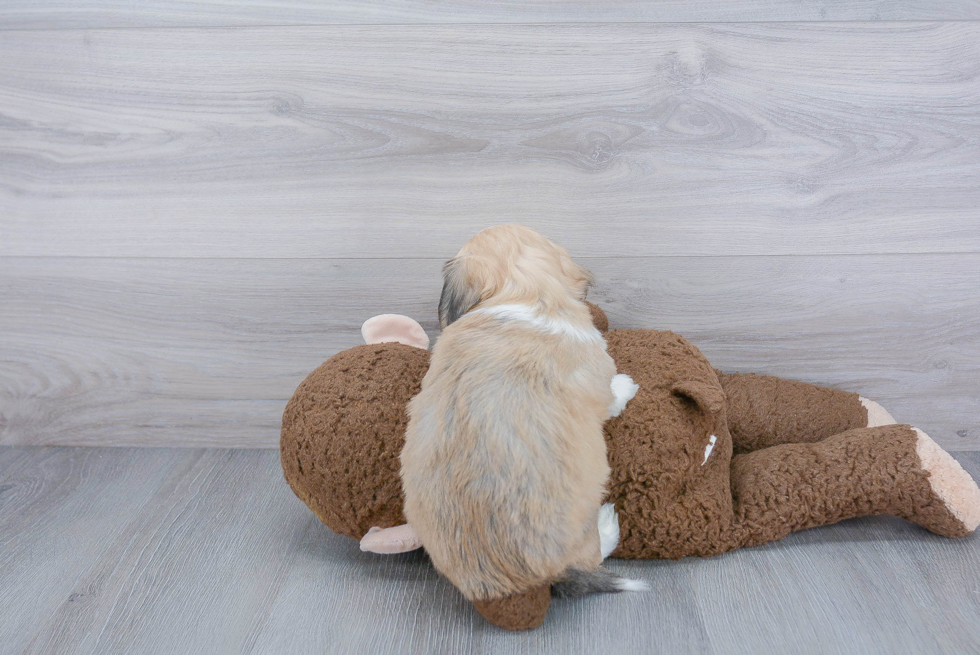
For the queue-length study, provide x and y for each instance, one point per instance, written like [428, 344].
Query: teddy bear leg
[892, 469]
[522, 611]
[766, 411]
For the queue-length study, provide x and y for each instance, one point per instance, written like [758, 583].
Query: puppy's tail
[575, 582]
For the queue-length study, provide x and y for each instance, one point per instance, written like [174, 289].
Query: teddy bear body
[702, 461]
[673, 501]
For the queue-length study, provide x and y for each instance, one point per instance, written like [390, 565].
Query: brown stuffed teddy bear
[702, 461]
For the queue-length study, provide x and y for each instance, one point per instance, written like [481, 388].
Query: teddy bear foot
[877, 415]
[952, 485]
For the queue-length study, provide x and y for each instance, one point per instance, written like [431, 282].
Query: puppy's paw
[608, 529]
[623, 389]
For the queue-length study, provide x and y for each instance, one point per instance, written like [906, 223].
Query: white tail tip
[625, 584]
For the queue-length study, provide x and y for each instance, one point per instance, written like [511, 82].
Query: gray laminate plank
[399, 604]
[338, 599]
[870, 585]
[196, 571]
[837, 589]
[11, 460]
[207, 352]
[900, 329]
[223, 558]
[67, 14]
[181, 349]
[402, 141]
[59, 508]
[822, 592]
[938, 584]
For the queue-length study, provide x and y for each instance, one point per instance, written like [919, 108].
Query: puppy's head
[510, 263]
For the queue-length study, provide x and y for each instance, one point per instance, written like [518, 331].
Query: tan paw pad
[877, 415]
[949, 481]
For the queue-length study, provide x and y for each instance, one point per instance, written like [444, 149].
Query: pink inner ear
[386, 328]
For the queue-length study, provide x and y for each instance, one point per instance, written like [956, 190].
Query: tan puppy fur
[504, 464]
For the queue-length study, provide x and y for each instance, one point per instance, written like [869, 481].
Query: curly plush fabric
[343, 432]
[672, 502]
[860, 472]
[769, 411]
[702, 461]
[522, 611]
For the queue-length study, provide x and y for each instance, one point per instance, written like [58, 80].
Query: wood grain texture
[816, 588]
[213, 553]
[196, 571]
[57, 509]
[207, 352]
[68, 14]
[402, 141]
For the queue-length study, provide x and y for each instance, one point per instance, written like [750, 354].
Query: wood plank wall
[199, 208]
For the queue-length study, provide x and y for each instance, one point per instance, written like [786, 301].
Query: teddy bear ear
[709, 398]
[394, 327]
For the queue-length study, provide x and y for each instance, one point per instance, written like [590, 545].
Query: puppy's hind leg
[586, 576]
[608, 529]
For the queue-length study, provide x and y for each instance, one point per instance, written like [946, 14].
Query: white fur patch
[707, 449]
[623, 389]
[608, 529]
[526, 314]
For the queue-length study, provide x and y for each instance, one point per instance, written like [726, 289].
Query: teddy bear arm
[385, 541]
[765, 411]
[894, 469]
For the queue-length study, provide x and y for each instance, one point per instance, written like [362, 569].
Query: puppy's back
[504, 461]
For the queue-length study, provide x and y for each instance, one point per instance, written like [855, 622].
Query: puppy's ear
[580, 279]
[588, 280]
[465, 282]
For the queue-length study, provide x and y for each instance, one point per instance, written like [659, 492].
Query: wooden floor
[202, 200]
[144, 550]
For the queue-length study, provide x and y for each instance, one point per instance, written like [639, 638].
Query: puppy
[504, 466]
